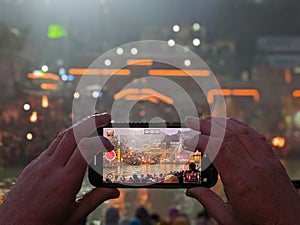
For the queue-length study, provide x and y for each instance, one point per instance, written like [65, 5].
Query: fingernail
[107, 144]
[191, 119]
[115, 194]
[189, 193]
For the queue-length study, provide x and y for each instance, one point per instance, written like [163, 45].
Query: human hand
[45, 192]
[256, 185]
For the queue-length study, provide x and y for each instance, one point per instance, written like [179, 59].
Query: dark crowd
[142, 217]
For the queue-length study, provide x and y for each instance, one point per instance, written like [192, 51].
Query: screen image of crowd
[145, 155]
[191, 175]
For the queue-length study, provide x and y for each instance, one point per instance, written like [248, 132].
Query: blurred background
[251, 46]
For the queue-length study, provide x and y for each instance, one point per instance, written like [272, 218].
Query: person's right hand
[45, 193]
[257, 187]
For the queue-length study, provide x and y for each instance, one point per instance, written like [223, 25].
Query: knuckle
[244, 130]
[257, 168]
[228, 136]
[84, 143]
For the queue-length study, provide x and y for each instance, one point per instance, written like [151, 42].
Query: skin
[257, 187]
[45, 193]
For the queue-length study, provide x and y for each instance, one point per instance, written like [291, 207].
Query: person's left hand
[45, 193]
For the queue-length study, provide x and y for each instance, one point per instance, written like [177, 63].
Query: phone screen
[148, 156]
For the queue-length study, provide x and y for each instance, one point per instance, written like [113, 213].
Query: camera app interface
[150, 155]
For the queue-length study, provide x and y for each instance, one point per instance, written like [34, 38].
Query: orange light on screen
[45, 101]
[46, 86]
[139, 62]
[179, 73]
[33, 117]
[86, 71]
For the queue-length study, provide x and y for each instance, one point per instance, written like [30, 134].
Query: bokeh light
[278, 142]
[187, 62]
[176, 28]
[134, 51]
[171, 42]
[26, 107]
[33, 117]
[120, 51]
[107, 62]
[45, 68]
[196, 42]
[29, 136]
[196, 27]
[76, 95]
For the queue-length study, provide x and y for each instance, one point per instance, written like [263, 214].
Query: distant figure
[143, 215]
[155, 218]
[203, 218]
[123, 221]
[181, 220]
[192, 175]
[135, 221]
[173, 213]
[112, 216]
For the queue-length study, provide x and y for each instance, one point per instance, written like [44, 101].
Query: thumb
[90, 201]
[213, 203]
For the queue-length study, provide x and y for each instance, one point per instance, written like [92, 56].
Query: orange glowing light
[246, 92]
[232, 92]
[215, 92]
[33, 117]
[296, 93]
[1, 196]
[278, 142]
[49, 76]
[181, 73]
[125, 92]
[146, 94]
[29, 136]
[287, 76]
[86, 71]
[45, 101]
[139, 62]
[46, 86]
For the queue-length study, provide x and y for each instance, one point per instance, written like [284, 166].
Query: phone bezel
[210, 172]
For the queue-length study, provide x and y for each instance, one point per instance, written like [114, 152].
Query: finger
[52, 147]
[213, 203]
[263, 138]
[84, 153]
[224, 160]
[205, 127]
[90, 201]
[196, 123]
[73, 135]
[253, 143]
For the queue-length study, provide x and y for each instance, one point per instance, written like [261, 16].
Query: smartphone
[150, 156]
